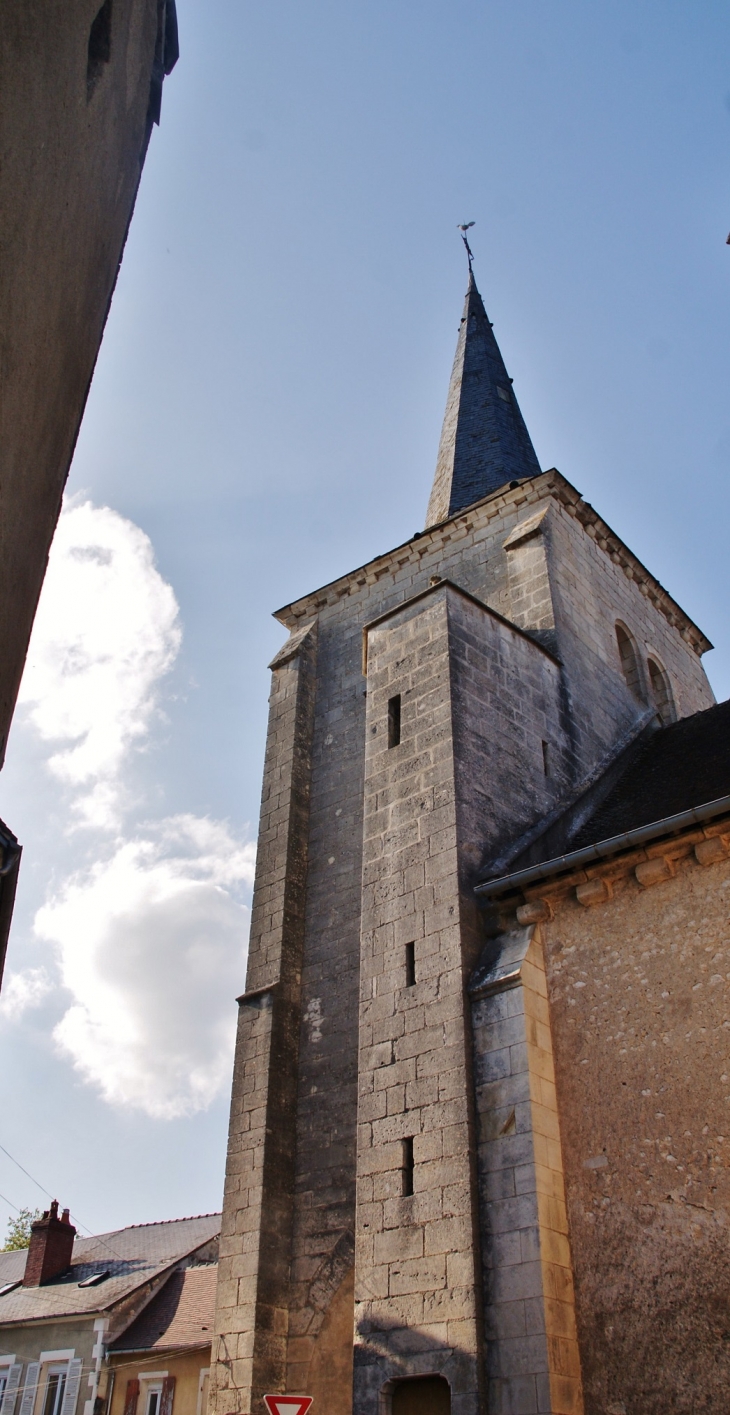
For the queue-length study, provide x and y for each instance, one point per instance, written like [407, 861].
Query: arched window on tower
[629, 660]
[661, 692]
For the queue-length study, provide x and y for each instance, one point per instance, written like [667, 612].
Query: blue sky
[265, 415]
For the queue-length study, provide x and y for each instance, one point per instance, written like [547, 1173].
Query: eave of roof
[160, 1350]
[152, 1251]
[564, 864]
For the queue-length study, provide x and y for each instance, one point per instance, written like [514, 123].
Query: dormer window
[629, 660]
[94, 1279]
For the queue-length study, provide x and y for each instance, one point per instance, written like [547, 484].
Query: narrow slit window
[394, 721]
[407, 1171]
[546, 758]
[410, 964]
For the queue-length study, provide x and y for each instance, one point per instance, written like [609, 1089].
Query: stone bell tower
[394, 1231]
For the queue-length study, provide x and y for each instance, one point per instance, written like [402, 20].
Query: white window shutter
[10, 1394]
[71, 1393]
[30, 1388]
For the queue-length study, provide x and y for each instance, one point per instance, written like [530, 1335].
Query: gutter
[603, 848]
[154, 1353]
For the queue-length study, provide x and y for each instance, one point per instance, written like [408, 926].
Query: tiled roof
[680, 767]
[180, 1315]
[133, 1256]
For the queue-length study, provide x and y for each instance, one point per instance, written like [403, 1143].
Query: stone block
[520, 1281]
[398, 1244]
[515, 1396]
[418, 1275]
[709, 852]
[595, 891]
[654, 872]
[446, 1236]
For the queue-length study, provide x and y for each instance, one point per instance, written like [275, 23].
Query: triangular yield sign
[288, 1404]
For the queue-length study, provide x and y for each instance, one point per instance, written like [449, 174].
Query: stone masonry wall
[416, 1281]
[324, 1205]
[513, 755]
[639, 991]
[475, 696]
[590, 593]
[249, 1347]
[532, 1349]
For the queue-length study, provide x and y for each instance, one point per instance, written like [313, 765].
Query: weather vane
[465, 226]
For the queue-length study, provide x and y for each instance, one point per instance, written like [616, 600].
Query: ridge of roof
[158, 1222]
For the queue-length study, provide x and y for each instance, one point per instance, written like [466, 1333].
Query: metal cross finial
[465, 226]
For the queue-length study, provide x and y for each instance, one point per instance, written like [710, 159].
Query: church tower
[394, 1233]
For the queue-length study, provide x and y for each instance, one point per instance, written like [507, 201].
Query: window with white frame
[10, 1372]
[154, 1398]
[203, 1387]
[51, 1384]
[56, 1377]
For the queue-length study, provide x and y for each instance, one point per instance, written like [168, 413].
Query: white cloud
[22, 991]
[106, 631]
[150, 937]
[151, 943]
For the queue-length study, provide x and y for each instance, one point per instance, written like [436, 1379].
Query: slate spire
[484, 441]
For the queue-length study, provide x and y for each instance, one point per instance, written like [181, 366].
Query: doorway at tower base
[422, 1395]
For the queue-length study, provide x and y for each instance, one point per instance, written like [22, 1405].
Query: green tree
[18, 1235]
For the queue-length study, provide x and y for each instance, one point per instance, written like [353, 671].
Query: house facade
[66, 1300]
[161, 1363]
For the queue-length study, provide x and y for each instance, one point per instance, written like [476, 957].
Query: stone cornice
[528, 491]
[609, 542]
[412, 550]
[653, 863]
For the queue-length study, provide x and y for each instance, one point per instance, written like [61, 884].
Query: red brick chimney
[51, 1246]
